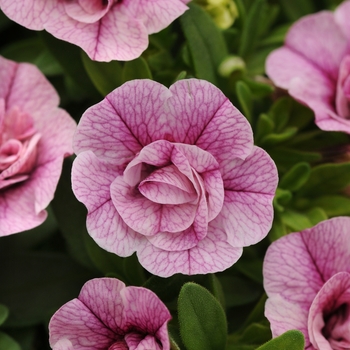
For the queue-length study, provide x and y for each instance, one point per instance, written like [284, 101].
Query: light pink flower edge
[24, 86]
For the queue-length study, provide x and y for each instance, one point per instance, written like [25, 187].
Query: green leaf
[245, 99]
[205, 42]
[285, 158]
[296, 221]
[257, 315]
[215, 288]
[281, 199]
[254, 334]
[290, 340]
[250, 32]
[297, 8]
[7, 343]
[258, 88]
[327, 179]
[316, 215]
[202, 319]
[106, 76]
[4, 312]
[333, 205]
[136, 69]
[264, 126]
[296, 177]
[280, 112]
[275, 139]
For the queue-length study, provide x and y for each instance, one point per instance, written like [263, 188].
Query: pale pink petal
[149, 342]
[87, 11]
[285, 315]
[63, 344]
[342, 98]
[212, 254]
[297, 266]
[156, 14]
[147, 217]
[249, 190]
[85, 331]
[284, 65]
[324, 45]
[115, 36]
[334, 294]
[126, 120]
[341, 15]
[206, 118]
[144, 311]
[103, 297]
[168, 185]
[31, 14]
[91, 181]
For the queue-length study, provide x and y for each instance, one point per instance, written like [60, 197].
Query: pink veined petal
[148, 342]
[341, 16]
[342, 100]
[129, 118]
[75, 321]
[285, 315]
[206, 118]
[168, 186]
[115, 36]
[324, 45]
[87, 11]
[212, 254]
[30, 14]
[104, 224]
[144, 311]
[247, 211]
[18, 203]
[334, 293]
[103, 297]
[156, 14]
[147, 217]
[63, 344]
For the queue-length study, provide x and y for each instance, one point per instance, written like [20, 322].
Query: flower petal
[103, 221]
[324, 45]
[212, 254]
[249, 190]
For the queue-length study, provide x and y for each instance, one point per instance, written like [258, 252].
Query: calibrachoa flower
[109, 316]
[105, 29]
[314, 66]
[307, 280]
[172, 174]
[35, 137]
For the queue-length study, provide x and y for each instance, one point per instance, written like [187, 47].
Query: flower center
[337, 328]
[18, 146]
[88, 11]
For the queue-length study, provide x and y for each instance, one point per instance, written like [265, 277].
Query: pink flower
[109, 316]
[314, 66]
[307, 280]
[35, 137]
[105, 29]
[172, 174]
